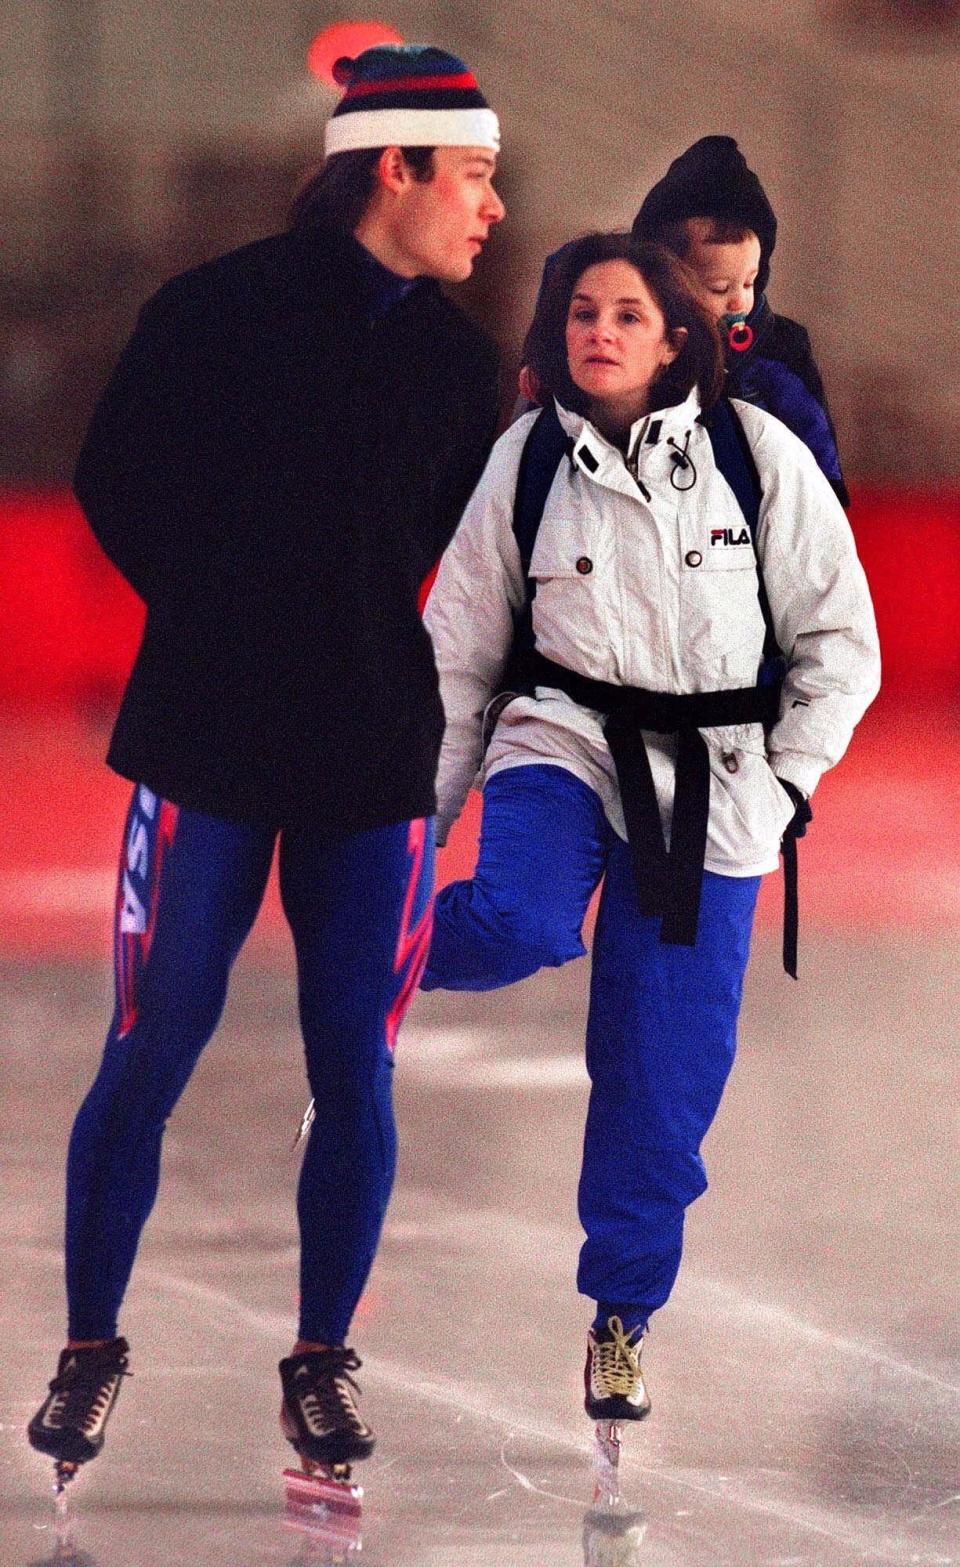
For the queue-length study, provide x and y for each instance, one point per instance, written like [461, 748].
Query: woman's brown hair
[700, 360]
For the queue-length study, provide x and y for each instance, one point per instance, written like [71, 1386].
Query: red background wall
[70, 627]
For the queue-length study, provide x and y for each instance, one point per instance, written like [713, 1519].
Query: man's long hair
[338, 193]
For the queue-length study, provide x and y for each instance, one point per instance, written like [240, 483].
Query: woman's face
[616, 337]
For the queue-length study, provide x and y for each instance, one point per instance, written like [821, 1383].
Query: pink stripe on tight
[413, 943]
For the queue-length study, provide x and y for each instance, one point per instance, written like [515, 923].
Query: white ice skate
[614, 1394]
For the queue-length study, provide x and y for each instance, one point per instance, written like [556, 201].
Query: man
[283, 451]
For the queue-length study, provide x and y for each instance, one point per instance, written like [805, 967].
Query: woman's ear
[674, 344]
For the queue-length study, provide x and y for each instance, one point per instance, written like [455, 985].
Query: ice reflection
[613, 1535]
[325, 1541]
[66, 1550]
[65, 1556]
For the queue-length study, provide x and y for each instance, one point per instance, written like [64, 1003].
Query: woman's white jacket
[659, 593]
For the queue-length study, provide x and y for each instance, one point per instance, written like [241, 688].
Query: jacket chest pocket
[568, 609]
[721, 618]
[564, 553]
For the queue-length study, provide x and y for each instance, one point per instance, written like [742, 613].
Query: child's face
[725, 273]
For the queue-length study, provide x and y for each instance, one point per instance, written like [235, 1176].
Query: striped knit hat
[409, 95]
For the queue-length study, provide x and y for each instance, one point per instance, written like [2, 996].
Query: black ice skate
[615, 1392]
[71, 1421]
[320, 1418]
[613, 1381]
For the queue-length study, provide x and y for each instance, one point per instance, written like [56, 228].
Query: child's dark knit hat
[711, 180]
[409, 95]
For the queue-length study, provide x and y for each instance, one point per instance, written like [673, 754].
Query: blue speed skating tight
[661, 1029]
[359, 908]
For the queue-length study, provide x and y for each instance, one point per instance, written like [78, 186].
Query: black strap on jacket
[667, 883]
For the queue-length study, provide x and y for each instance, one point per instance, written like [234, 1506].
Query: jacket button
[693, 558]
[584, 565]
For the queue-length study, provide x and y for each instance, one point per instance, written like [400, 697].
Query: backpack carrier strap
[543, 451]
[734, 459]
[667, 884]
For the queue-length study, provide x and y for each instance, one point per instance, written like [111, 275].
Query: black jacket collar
[322, 258]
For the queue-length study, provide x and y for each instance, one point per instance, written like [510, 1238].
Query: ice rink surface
[805, 1376]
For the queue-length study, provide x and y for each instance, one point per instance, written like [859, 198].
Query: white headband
[412, 128]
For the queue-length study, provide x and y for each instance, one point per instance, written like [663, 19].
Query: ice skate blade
[609, 1442]
[323, 1489]
[326, 1508]
[63, 1472]
[606, 1463]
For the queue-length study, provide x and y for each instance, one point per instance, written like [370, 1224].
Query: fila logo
[725, 536]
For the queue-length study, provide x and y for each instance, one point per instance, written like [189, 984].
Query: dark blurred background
[141, 139]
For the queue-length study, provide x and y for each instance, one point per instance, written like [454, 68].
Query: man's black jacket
[274, 470]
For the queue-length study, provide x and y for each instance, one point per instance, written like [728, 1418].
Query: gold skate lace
[616, 1362]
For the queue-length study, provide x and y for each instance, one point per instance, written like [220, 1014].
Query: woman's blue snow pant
[359, 908]
[661, 1029]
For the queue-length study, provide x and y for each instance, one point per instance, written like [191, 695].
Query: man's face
[724, 274]
[440, 225]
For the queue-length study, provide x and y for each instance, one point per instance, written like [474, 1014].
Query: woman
[648, 637]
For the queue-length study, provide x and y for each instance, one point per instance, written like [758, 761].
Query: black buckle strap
[668, 882]
[795, 828]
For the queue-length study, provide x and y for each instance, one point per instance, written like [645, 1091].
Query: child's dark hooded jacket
[778, 371]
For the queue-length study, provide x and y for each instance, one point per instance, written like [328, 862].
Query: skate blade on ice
[323, 1485]
[606, 1461]
[63, 1472]
[323, 1502]
[66, 1551]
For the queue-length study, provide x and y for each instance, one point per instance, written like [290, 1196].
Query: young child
[711, 210]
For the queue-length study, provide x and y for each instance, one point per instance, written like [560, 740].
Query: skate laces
[83, 1388]
[616, 1362]
[332, 1391]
